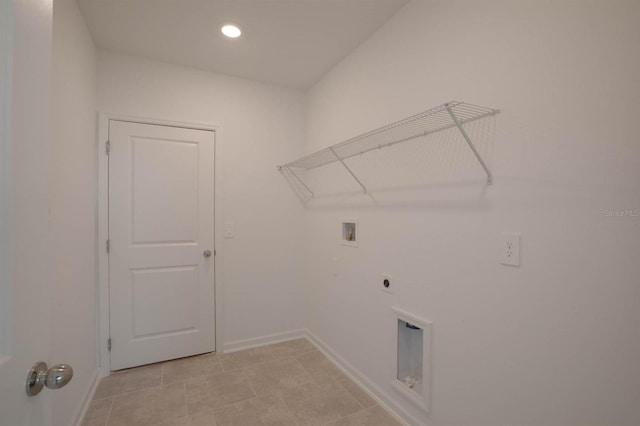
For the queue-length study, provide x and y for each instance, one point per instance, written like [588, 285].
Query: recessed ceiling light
[231, 31]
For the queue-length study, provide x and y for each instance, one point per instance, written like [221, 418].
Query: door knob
[54, 378]
[58, 376]
[207, 253]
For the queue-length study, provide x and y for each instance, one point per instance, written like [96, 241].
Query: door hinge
[109, 344]
[108, 246]
[108, 149]
[214, 252]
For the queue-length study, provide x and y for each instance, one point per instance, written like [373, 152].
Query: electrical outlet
[386, 283]
[510, 249]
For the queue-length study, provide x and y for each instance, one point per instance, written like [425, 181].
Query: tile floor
[288, 384]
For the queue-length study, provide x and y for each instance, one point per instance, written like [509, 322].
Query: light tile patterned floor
[286, 384]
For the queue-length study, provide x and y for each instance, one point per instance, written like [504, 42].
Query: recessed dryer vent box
[349, 236]
[413, 354]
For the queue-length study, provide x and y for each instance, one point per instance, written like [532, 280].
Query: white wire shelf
[447, 116]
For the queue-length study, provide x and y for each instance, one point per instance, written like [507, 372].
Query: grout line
[133, 391]
[219, 363]
[186, 403]
[104, 397]
[295, 422]
[307, 371]
[348, 393]
[290, 355]
[243, 370]
[113, 400]
[129, 370]
[270, 350]
[255, 394]
[305, 352]
[251, 365]
[215, 422]
[313, 381]
[234, 403]
[330, 422]
[330, 381]
[279, 395]
[362, 408]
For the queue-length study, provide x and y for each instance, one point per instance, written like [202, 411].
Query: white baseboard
[81, 411]
[269, 339]
[361, 380]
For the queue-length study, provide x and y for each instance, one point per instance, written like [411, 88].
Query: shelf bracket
[297, 178]
[301, 181]
[468, 140]
[349, 170]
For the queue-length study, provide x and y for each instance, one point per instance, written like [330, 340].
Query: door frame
[102, 320]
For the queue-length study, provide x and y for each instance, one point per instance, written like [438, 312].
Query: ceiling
[291, 43]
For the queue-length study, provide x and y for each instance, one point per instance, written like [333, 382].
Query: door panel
[25, 135]
[172, 291]
[166, 199]
[161, 207]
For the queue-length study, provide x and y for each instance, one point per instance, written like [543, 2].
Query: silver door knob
[207, 253]
[54, 378]
[58, 376]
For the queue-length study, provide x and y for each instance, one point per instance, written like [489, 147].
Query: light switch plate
[229, 231]
[510, 249]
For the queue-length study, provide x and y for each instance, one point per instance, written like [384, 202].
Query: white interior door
[25, 321]
[161, 227]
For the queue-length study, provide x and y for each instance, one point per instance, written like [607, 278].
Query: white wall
[555, 341]
[261, 279]
[73, 206]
